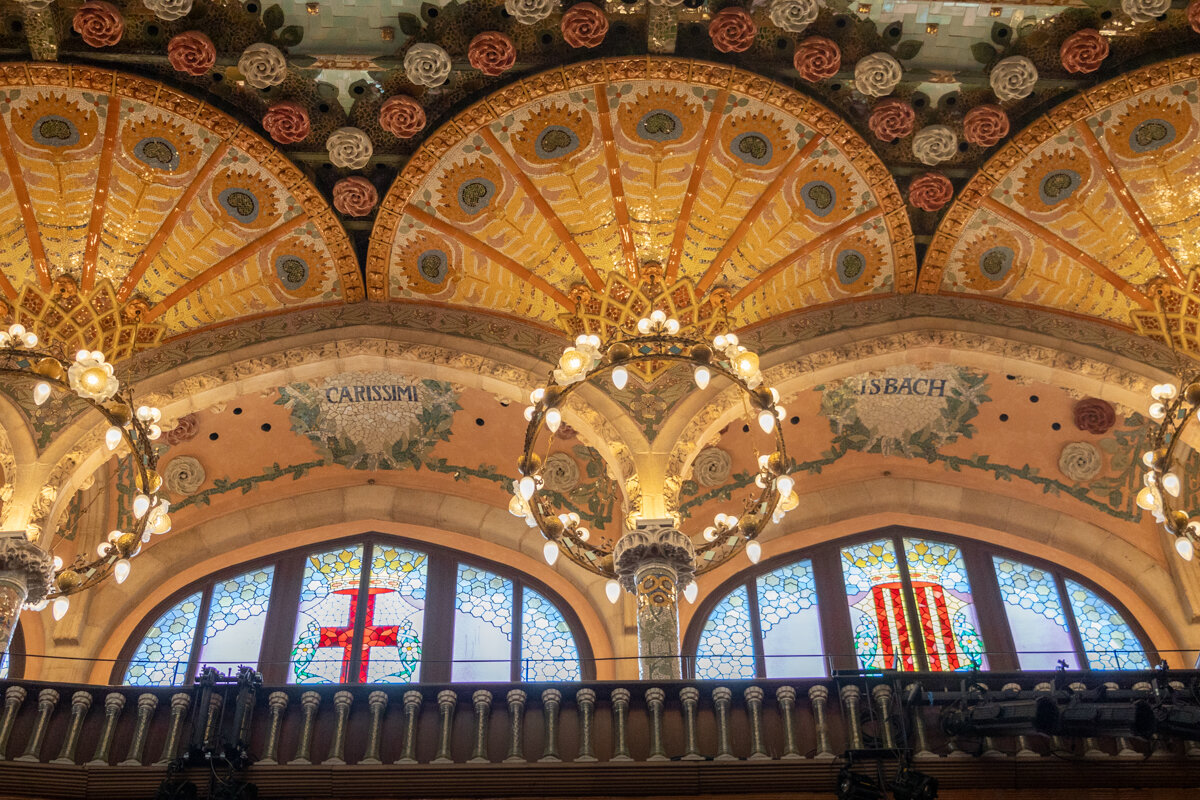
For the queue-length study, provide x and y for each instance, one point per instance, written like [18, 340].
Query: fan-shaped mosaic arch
[724, 178]
[1090, 210]
[129, 211]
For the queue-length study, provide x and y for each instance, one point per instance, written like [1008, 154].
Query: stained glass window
[945, 605]
[483, 620]
[237, 615]
[395, 615]
[1035, 615]
[4, 659]
[161, 658]
[1108, 640]
[790, 623]
[725, 649]
[324, 639]
[548, 651]
[878, 607]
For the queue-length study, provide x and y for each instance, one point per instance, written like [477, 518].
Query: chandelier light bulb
[113, 536]
[746, 364]
[620, 377]
[97, 356]
[102, 549]
[553, 419]
[643, 326]
[613, 590]
[573, 361]
[1170, 482]
[143, 413]
[39, 605]
[583, 533]
[1183, 546]
[658, 316]
[766, 420]
[550, 552]
[760, 480]
[720, 342]
[1158, 411]
[58, 563]
[710, 534]
[774, 395]
[753, 551]
[721, 520]
[784, 484]
[41, 392]
[1148, 458]
[17, 331]
[83, 355]
[763, 461]
[691, 592]
[529, 413]
[31, 340]
[517, 506]
[161, 523]
[1148, 499]
[121, 570]
[672, 326]
[536, 395]
[141, 504]
[1169, 390]
[780, 412]
[112, 437]
[527, 487]
[702, 377]
[61, 605]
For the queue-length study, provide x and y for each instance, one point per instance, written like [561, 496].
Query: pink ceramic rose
[184, 431]
[931, 191]
[491, 53]
[584, 25]
[1193, 14]
[818, 58]
[732, 30]
[402, 117]
[355, 196]
[1083, 51]
[99, 23]
[891, 119]
[191, 52]
[286, 122]
[985, 125]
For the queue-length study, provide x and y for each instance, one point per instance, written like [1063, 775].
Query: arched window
[907, 601]
[12, 662]
[369, 611]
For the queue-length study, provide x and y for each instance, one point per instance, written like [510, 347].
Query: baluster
[377, 703]
[917, 716]
[80, 703]
[786, 697]
[14, 696]
[850, 697]
[179, 707]
[212, 722]
[689, 696]
[447, 702]
[620, 711]
[276, 705]
[47, 700]
[1023, 749]
[1191, 748]
[654, 705]
[882, 694]
[145, 711]
[516, 726]
[818, 696]
[412, 713]
[341, 715]
[309, 703]
[551, 705]
[585, 700]
[114, 702]
[483, 711]
[754, 705]
[721, 698]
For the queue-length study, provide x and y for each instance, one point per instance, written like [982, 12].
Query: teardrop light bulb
[691, 592]
[1183, 546]
[121, 570]
[141, 504]
[753, 552]
[553, 419]
[620, 377]
[613, 590]
[1170, 482]
[550, 552]
[766, 421]
[784, 484]
[41, 392]
[527, 486]
[112, 437]
[61, 605]
[702, 376]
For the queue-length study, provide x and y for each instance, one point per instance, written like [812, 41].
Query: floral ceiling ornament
[794, 16]
[263, 65]
[1145, 10]
[492, 53]
[427, 65]
[892, 119]
[192, 52]
[1094, 415]
[530, 12]
[930, 191]
[1080, 461]
[185, 430]
[1013, 78]
[183, 475]
[402, 116]
[1083, 51]
[1193, 15]
[286, 122]
[876, 75]
[732, 30]
[934, 144]
[561, 472]
[355, 196]
[712, 466]
[985, 125]
[99, 23]
[818, 58]
[169, 10]
[349, 148]
[584, 25]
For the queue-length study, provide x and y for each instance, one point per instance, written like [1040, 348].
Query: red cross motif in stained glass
[373, 635]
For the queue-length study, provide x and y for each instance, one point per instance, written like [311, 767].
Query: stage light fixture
[1181, 721]
[1103, 719]
[852, 786]
[912, 785]
[992, 719]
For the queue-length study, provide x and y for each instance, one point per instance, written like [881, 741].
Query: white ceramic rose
[169, 10]
[1013, 78]
[529, 12]
[349, 148]
[794, 16]
[1080, 461]
[934, 144]
[1145, 10]
[427, 65]
[876, 75]
[263, 65]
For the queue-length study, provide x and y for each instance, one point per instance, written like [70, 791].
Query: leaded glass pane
[1108, 641]
[945, 605]
[4, 659]
[1035, 615]
[323, 643]
[548, 651]
[725, 649]
[483, 617]
[161, 659]
[878, 608]
[395, 615]
[791, 625]
[237, 615]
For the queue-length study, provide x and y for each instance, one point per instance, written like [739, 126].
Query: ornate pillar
[655, 563]
[25, 574]
[585, 700]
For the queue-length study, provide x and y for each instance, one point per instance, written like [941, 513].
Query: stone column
[850, 697]
[113, 703]
[516, 726]
[818, 696]
[551, 703]
[145, 711]
[412, 714]
[655, 698]
[309, 703]
[341, 718]
[585, 700]
[754, 705]
[482, 700]
[47, 700]
[620, 716]
[447, 703]
[377, 703]
[80, 703]
[655, 563]
[786, 697]
[277, 704]
[25, 574]
[689, 697]
[722, 698]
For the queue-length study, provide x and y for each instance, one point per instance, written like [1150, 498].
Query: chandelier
[89, 377]
[656, 341]
[1172, 410]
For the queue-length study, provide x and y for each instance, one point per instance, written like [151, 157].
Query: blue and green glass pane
[548, 651]
[322, 647]
[394, 620]
[1108, 641]
[878, 607]
[161, 658]
[725, 649]
[790, 623]
[483, 620]
[945, 605]
[237, 616]
[1035, 615]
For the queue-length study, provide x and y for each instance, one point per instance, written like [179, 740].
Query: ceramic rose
[985, 125]
[191, 52]
[1145, 10]
[1193, 15]
[1083, 51]
[286, 122]
[100, 24]
[732, 30]
[354, 196]
[794, 16]
[169, 10]
[1013, 78]
[491, 53]
[876, 75]
[584, 25]
[529, 12]
[263, 65]
[402, 117]
[891, 119]
[1094, 415]
[349, 148]
[934, 144]
[817, 58]
[427, 64]
[930, 192]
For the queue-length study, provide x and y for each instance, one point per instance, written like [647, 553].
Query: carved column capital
[24, 562]
[655, 543]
